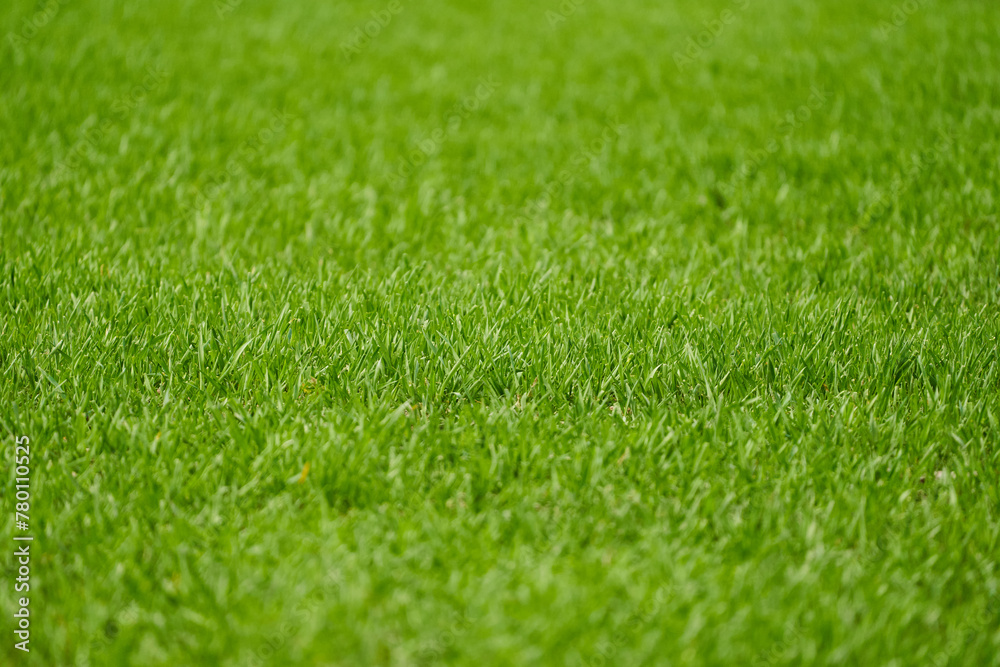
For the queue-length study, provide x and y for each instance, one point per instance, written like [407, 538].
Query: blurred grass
[563, 400]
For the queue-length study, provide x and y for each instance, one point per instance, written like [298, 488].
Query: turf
[601, 333]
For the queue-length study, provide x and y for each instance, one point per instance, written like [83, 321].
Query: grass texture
[503, 333]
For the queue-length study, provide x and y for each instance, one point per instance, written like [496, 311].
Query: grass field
[502, 333]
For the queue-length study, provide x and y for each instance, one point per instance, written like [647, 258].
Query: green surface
[515, 334]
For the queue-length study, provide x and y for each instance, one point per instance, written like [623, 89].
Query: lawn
[501, 333]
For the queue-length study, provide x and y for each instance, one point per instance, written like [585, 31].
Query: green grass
[507, 340]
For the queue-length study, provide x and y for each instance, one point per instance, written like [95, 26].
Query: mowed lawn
[502, 333]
